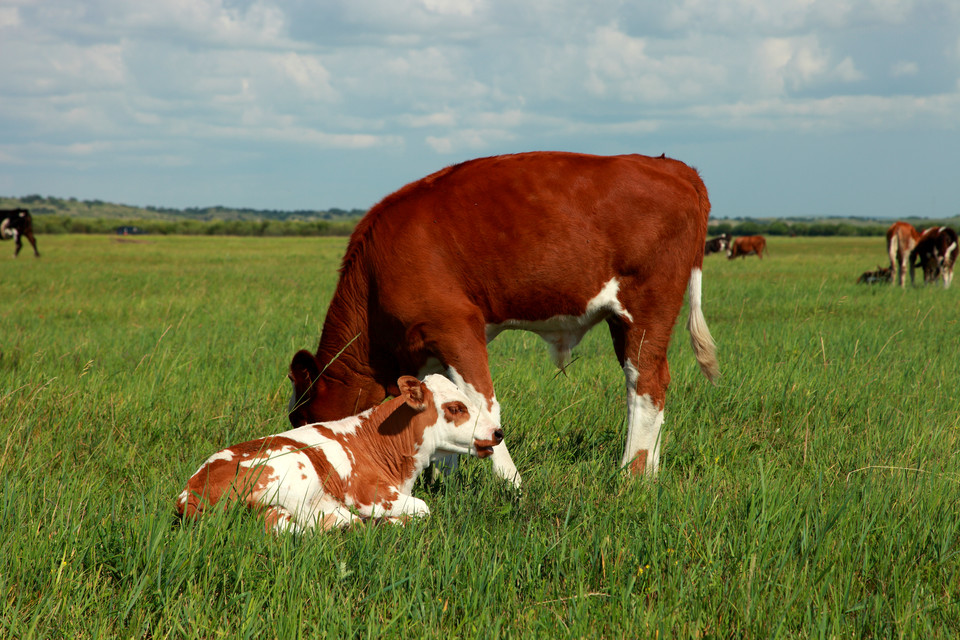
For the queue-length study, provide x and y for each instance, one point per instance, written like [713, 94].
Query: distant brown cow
[747, 245]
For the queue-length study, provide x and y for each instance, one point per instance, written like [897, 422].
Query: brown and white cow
[333, 474]
[747, 245]
[549, 242]
[16, 224]
[902, 237]
[936, 252]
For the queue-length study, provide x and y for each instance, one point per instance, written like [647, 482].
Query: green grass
[812, 493]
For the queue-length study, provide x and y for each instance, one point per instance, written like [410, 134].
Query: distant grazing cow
[902, 237]
[881, 275]
[717, 245]
[15, 224]
[747, 245]
[936, 253]
[549, 242]
[333, 474]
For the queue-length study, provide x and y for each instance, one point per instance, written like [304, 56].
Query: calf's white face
[461, 426]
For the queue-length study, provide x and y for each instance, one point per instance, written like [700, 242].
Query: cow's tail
[700, 339]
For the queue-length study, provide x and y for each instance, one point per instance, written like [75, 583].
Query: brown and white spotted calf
[332, 474]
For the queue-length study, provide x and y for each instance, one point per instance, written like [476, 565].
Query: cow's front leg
[503, 464]
[458, 340]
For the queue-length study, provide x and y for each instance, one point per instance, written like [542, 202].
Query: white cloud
[209, 21]
[453, 7]
[797, 64]
[904, 68]
[468, 140]
[308, 74]
[9, 17]
[623, 67]
[786, 17]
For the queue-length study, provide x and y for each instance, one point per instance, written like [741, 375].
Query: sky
[786, 107]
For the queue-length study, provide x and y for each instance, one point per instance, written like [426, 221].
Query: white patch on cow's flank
[564, 332]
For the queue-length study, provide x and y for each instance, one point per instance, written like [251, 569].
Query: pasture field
[814, 492]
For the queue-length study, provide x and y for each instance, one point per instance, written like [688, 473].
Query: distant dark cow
[747, 245]
[717, 245]
[881, 275]
[936, 253]
[16, 223]
[548, 242]
[902, 237]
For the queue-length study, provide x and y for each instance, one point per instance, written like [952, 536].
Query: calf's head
[460, 426]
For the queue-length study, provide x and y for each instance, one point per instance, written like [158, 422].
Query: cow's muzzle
[485, 447]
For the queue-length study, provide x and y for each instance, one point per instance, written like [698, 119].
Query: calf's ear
[412, 391]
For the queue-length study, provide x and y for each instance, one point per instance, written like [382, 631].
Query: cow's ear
[304, 374]
[412, 391]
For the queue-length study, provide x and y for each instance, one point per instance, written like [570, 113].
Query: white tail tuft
[700, 339]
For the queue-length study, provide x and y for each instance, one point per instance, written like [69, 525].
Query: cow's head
[320, 398]
[461, 426]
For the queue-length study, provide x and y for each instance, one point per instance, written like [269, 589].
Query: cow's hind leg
[643, 355]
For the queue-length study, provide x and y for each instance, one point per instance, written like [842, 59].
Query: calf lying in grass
[332, 474]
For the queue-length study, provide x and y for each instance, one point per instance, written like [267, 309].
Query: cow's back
[537, 230]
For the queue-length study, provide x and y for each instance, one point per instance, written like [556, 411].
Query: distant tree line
[782, 228]
[218, 212]
[50, 205]
[54, 224]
